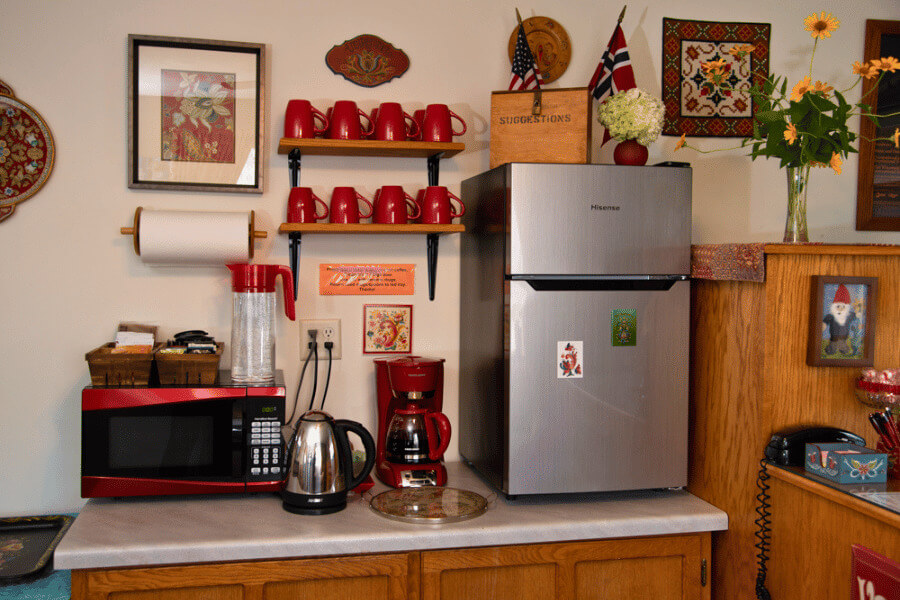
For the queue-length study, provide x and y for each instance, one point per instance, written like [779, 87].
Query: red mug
[435, 203]
[345, 123]
[299, 120]
[392, 206]
[436, 124]
[391, 123]
[302, 206]
[345, 205]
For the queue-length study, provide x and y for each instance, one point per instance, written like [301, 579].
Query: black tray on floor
[27, 544]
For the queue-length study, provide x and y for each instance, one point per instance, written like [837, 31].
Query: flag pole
[621, 14]
[536, 104]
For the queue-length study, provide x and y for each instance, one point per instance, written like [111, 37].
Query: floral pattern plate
[26, 153]
[429, 505]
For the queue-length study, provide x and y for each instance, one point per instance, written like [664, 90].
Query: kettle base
[320, 504]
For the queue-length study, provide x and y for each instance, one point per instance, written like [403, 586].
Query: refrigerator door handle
[591, 283]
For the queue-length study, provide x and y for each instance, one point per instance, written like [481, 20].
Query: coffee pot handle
[442, 423]
[342, 426]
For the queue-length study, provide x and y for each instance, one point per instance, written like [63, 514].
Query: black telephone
[786, 448]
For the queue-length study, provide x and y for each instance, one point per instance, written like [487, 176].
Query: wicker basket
[188, 369]
[114, 369]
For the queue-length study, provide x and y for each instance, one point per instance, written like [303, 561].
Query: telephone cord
[763, 532]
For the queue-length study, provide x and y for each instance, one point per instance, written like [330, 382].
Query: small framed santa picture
[842, 321]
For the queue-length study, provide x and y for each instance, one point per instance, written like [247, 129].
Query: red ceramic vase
[630, 152]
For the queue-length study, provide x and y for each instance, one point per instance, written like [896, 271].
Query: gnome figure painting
[842, 321]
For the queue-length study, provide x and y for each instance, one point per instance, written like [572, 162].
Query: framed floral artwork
[842, 321]
[195, 114]
[700, 101]
[387, 328]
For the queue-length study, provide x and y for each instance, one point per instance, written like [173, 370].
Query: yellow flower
[790, 134]
[889, 64]
[867, 70]
[821, 26]
[800, 89]
[741, 50]
[836, 162]
[896, 137]
[713, 65]
[822, 88]
[680, 143]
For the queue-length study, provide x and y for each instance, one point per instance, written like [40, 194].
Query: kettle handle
[342, 426]
[442, 423]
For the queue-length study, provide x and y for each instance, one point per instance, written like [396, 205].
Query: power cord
[328, 346]
[314, 345]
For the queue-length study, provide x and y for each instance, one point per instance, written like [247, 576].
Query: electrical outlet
[328, 330]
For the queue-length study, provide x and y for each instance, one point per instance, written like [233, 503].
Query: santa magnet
[570, 356]
[842, 319]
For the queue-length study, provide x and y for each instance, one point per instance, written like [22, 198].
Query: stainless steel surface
[592, 219]
[549, 252]
[315, 466]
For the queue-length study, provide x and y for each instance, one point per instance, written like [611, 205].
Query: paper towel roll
[184, 238]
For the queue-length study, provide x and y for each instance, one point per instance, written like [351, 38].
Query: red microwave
[154, 441]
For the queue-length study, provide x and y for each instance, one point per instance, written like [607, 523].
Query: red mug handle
[318, 114]
[440, 422]
[416, 210]
[462, 207]
[460, 119]
[412, 131]
[325, 206]
[367, 203]
[371, 128]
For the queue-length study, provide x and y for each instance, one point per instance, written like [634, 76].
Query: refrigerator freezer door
[598, 219]
[610, 413]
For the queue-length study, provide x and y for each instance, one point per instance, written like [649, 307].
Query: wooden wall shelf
[419, 228]
[326, 147]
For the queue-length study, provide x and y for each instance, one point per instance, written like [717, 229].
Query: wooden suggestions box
[560, 133]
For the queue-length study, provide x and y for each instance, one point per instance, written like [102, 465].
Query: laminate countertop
[165, 530]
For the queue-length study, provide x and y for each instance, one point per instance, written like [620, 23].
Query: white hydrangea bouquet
[632, 115]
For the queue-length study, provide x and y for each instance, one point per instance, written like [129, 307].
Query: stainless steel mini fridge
[574, 332]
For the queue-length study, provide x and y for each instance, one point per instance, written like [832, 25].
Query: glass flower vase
[795, 225]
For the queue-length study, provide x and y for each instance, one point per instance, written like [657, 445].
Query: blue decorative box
[846, 463]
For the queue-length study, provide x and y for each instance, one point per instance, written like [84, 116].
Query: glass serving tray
[429, 505]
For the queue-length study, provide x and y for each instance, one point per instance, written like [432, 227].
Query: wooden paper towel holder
[134, 231]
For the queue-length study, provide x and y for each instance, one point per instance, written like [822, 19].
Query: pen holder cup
[893, 471]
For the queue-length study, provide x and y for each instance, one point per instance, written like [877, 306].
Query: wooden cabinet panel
[218, 592]
[626, 579]
[330, 589]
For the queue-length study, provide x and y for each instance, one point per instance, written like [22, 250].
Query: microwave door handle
[238, 471]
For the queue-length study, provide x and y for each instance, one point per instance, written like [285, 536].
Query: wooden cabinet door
[663, 568]
[375, 577]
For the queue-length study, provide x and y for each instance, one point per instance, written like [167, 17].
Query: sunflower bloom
[741, 50]
[889, 64]
[800, 89]
[895, 137]
[790, 134]
[836, 162]
[680, 143]
[821, 26]
[867, 70]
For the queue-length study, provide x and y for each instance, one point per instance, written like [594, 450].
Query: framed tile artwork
[387, 328]
[698, 104]
[842, 321]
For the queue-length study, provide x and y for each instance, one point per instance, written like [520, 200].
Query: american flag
[614, 72]
[525, 72]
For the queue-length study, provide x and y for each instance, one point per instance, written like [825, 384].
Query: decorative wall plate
[549, 43]
[26, 153]
[5, 89]
[367, 60]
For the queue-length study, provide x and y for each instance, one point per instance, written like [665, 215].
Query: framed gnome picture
[842, 321]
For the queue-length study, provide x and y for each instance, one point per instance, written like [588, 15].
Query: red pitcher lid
[261, 279]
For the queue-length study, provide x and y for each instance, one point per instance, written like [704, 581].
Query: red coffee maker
[412, 432]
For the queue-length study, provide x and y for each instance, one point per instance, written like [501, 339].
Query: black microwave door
[182, 440]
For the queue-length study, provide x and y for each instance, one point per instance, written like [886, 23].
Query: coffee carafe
[412, 433]
[253, 319]
[320, 471]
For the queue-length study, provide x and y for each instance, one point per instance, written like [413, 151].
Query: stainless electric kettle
[320, 470]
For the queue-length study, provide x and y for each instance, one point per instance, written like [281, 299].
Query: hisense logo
[603, 207]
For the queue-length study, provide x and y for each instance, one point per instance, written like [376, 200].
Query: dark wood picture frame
[828, 344]
[212, 73]
[878, 184]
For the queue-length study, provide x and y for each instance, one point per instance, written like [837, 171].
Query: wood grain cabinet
[663, 568]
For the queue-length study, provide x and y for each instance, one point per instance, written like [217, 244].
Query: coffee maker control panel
[418, 478]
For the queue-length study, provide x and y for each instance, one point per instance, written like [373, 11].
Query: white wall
[69, 277]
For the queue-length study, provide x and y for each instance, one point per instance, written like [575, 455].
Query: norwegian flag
[614, 73]
[525, 72]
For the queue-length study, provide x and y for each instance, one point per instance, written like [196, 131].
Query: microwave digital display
[160, 441]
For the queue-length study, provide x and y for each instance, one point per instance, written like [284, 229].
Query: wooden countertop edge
[844, 249]
[838, 497]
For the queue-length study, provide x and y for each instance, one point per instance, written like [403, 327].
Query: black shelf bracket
[432, 243]
[294, 166]
[294, 251]
[434, 162]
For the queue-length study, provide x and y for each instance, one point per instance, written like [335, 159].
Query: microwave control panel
[265, 447]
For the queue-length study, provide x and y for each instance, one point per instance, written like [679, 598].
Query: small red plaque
[367, 60]
[875, 577]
